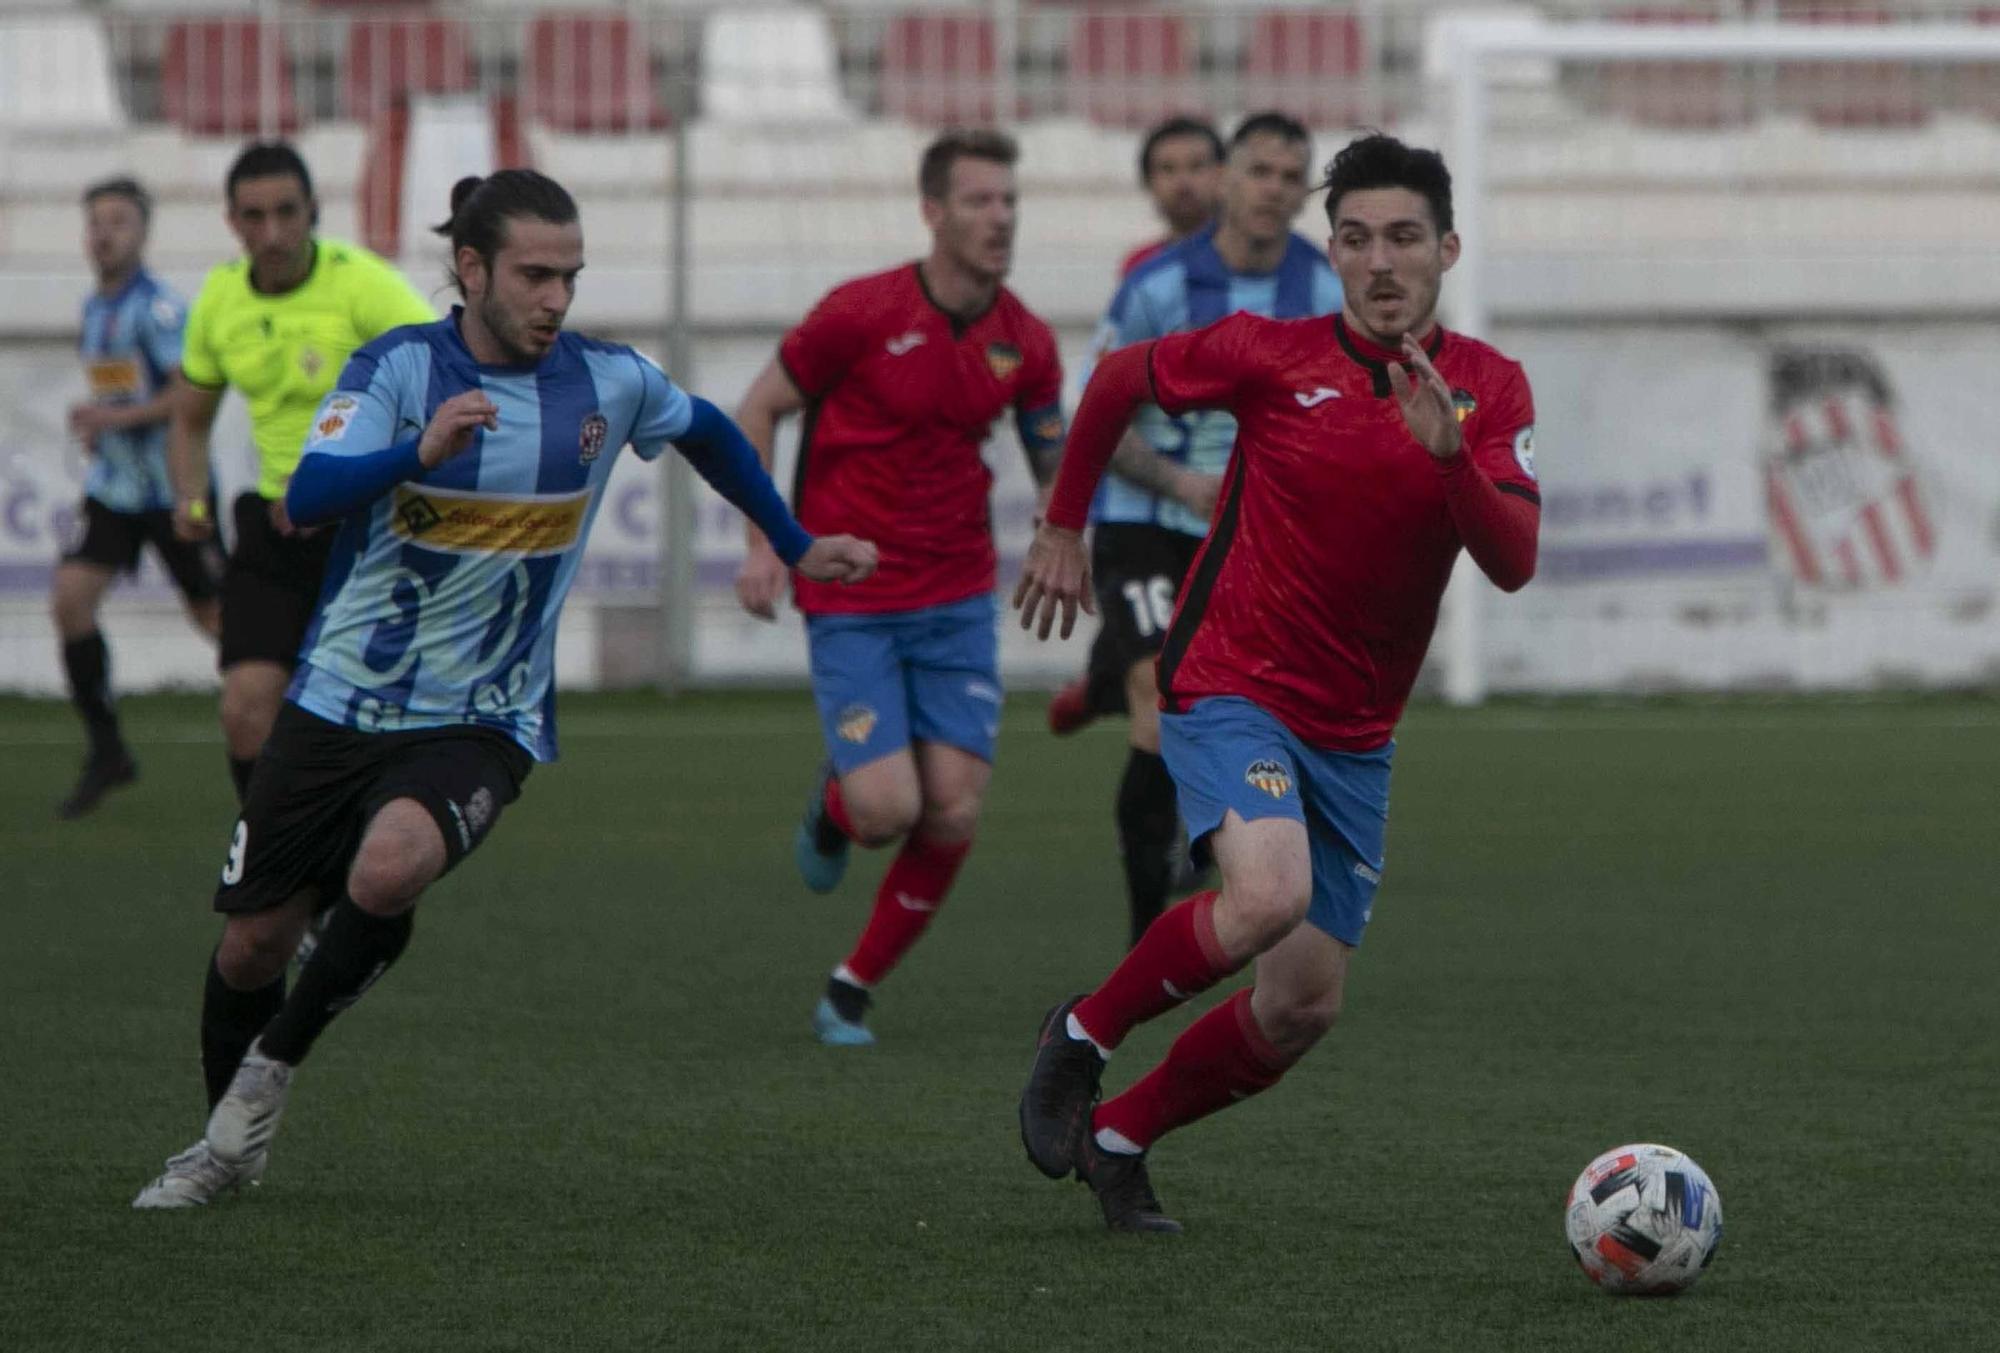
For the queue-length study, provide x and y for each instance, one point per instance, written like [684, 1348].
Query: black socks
[1148, 825]
[356, 948]
[87, 662]
[230, 1023]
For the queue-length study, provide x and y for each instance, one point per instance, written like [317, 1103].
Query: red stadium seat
[1309, 63]
[396, 54]
[591, 72]
[216, 74]
[1128, 70]
[939, 68]
[1670, 93]
[1848, 93]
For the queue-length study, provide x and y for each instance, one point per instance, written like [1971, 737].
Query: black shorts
[114, 540]
[318, 784]
[271, 588]
[1136, 571]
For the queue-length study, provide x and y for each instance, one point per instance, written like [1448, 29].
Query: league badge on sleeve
[590, 441]
[1524, 451]
[334, 417]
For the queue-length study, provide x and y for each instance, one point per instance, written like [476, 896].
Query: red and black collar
[1376, 358]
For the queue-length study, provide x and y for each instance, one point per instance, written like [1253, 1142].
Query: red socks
[1178, 957]
[836, 808]
[911, 892]
[1222, 1057]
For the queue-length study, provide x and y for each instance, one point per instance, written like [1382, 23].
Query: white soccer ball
[1643, 1220]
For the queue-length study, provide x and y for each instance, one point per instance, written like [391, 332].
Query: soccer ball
[1643, 1220]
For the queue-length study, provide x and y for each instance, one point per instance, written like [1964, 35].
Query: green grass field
[585, 1113]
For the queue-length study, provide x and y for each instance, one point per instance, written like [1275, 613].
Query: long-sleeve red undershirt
[1498, 529]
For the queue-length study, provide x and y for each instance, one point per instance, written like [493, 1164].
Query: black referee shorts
[114, 540]
[1136, 571]
[318, 784]
[271, 588]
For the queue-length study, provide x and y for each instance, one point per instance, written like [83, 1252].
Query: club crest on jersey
[590, 439]
[1003, 360]
[311, 363]
[1463, 404]
[855, 723]
[1269, 776]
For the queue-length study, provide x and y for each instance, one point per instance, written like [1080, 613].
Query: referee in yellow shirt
[277, 324]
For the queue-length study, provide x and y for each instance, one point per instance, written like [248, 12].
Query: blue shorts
[1227, 752]
[930, 675]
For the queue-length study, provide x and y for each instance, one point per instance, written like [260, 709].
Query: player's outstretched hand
[453, 424]
[762, 581]
[838, 559]
[1425, 401]
[1055, 578]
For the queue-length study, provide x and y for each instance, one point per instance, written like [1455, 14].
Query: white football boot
[246, 1117]
[196, 1177]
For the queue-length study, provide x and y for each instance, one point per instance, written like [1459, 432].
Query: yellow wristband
[197, 510]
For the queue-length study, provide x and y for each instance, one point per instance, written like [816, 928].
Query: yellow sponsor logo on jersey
[488, 523]
[114, 378]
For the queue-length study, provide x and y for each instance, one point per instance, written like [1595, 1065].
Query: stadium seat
[401, 54]
[771, 64]
[217, 77]
[591, 72]
[1312, 64]
[55, 73]
[1131, 69]
[938, 68]
[1667, 93]
[1850, 94]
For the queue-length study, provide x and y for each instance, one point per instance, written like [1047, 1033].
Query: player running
[903, 374]
[131, 347]
[1151, 512]
[276, 324]
[1180, 167]
[464, 461]
[1369, 450]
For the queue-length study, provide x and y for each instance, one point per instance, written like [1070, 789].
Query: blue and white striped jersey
[131, 344]
[442, 595]
[1188, 286]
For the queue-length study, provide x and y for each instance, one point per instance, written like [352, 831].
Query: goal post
[1473, 60]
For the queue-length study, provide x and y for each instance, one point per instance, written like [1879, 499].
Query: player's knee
[401, 855]
[881, 818]
[1269, 904]
[1294, 1021]
[254, 952]
[952, 820]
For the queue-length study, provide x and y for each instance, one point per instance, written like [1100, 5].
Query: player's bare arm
[87, 421]
[1139, 464]
[194, 409]
[1425, 401]
[760, 583]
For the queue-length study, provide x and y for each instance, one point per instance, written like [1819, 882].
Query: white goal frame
[1461, 52]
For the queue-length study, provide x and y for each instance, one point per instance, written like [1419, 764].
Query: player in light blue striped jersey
[465, 461]
[1151, 513]
[131, 348]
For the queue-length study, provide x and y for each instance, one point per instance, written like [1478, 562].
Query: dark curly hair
[1378, 160]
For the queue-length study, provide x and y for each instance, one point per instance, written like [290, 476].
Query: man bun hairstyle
[481, 208]
[124, 186]
[934, 171]
[1378, 160]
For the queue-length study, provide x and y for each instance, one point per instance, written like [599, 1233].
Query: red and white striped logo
[1846, 500]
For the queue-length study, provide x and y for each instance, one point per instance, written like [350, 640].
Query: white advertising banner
[1724, 507]
[1770, 507]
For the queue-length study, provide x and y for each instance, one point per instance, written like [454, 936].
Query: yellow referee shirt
[284, 352]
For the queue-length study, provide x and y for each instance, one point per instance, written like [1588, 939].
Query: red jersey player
[902, 375]
[1370, 449]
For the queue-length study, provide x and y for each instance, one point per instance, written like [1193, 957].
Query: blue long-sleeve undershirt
[326, 488]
